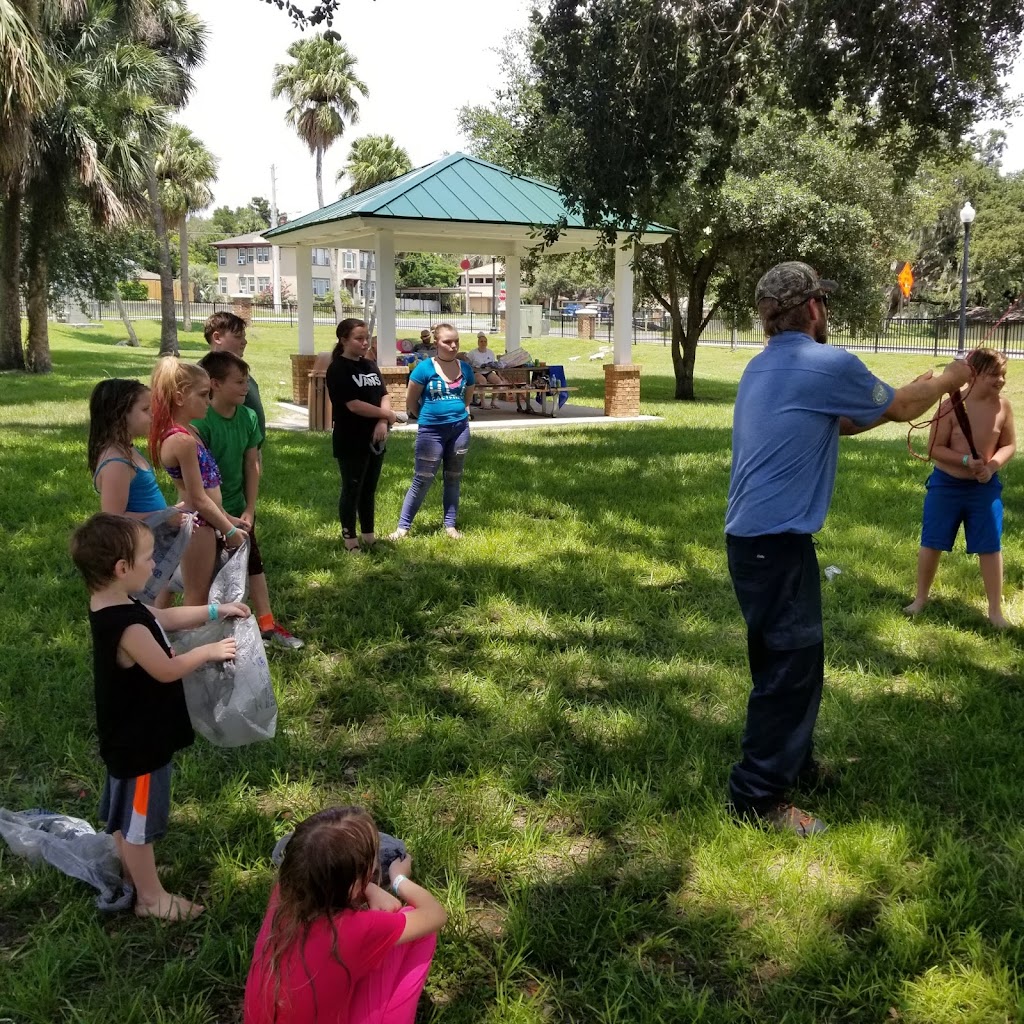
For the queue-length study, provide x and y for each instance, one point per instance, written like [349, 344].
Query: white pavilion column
[304, 288]
[622, 342]
[621, 376]
[384, 256]
[513, 298]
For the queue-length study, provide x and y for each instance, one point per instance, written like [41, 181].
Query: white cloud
[420, 60]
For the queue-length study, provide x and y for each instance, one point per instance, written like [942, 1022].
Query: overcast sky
[421, 60]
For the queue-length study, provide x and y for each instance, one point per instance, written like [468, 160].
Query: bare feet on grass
[453, 533]
[169, 907]
[999, 620]
[915, 606]
[398, 534]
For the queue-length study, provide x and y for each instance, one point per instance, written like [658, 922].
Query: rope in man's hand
[956, 406]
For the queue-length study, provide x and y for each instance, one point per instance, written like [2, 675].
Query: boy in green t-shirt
[232, 433]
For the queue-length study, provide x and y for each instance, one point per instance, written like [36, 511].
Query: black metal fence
[935, 336]
[285, 313]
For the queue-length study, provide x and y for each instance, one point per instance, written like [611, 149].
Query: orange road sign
[906, 280]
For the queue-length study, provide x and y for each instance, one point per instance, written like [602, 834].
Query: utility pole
[275, 251]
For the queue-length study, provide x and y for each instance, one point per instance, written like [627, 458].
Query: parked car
[569, 309]
[646, 322]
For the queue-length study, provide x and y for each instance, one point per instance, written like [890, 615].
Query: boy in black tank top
[141, 716]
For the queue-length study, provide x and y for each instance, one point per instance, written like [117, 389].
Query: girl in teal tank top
[124, 480]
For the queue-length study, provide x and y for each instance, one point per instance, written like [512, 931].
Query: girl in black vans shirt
[362, 416]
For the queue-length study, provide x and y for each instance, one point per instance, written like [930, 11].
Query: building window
[222, 285]
[262, 284]
[350, 260]
[321, 257]
[241, 257]
[245, 285]
[222, 258]
[373, 291]
[263, 254]
[321, 286]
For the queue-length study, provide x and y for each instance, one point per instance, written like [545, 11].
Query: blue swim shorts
[949, 501]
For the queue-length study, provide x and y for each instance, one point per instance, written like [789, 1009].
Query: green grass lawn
[546, 712]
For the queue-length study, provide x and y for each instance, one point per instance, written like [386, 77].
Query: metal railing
[935, 336]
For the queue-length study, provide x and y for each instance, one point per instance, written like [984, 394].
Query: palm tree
[29, 83]
[87, 143]
[185, 169]
[372, 160]
[180, 37]
[97, 85]
[319, 88]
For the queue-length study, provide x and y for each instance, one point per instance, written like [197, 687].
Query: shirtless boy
[964, 489]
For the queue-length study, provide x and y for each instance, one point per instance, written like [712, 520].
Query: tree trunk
[168, 317]
[12, 355]
[186, 297]
[684, 378]
[320, 177]
[133, 338]
[37, 355]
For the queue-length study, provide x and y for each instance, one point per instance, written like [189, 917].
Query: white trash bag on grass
[231, 703]
[73, 847]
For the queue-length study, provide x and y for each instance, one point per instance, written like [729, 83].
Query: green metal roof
[459, 189]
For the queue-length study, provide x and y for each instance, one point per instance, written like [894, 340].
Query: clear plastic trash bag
[231, 703]
[73, 847]
[391, 849]
[170, 538]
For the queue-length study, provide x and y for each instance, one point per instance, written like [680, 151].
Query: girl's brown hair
[170, 376]
[327, 865]
[109, 405]
[343, 332]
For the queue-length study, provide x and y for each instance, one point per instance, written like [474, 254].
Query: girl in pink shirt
[336, 948]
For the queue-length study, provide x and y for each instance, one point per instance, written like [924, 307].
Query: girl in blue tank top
[124, 480]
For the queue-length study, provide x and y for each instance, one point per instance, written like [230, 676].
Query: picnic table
[521, 384]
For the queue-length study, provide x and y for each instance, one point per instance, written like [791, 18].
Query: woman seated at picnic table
[485, 368]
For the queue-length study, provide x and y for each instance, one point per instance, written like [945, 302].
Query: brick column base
[242, 307]
[302, 367]
[621, 390]
[396, 380]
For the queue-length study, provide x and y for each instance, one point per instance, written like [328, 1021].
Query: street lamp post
[967, 215]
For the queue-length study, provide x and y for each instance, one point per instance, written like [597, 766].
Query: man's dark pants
[776, 580]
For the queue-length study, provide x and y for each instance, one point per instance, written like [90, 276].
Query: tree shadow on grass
[584, 667]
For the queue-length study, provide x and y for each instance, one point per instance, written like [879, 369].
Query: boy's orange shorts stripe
[140, 799]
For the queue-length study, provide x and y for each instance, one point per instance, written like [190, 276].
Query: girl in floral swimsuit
[181, 393]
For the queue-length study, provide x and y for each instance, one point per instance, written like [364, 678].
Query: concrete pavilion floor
[287, 416]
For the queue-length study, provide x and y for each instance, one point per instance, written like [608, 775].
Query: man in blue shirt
[794, 400]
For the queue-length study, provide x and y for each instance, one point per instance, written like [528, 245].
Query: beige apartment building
[245, 268]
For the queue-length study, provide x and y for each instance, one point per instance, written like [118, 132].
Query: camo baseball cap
[792, 283]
